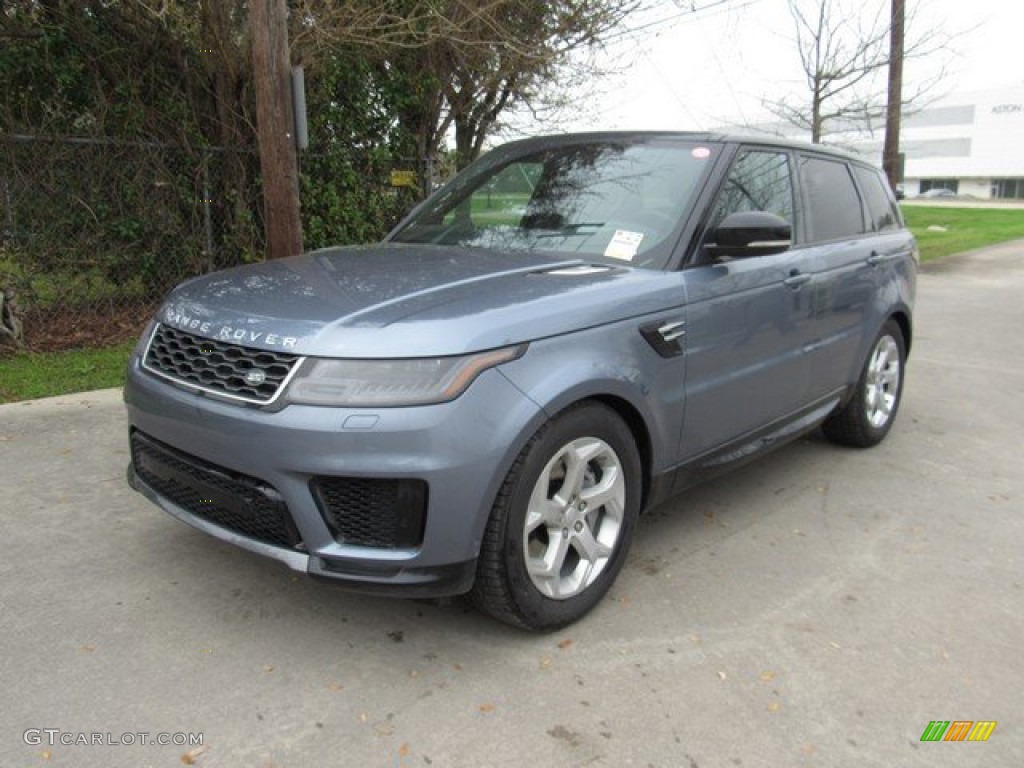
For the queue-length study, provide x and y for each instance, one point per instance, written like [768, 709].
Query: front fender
[601, 363]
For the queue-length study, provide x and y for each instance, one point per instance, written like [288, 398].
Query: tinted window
[833, 205]
[881, 206]
[758, 181]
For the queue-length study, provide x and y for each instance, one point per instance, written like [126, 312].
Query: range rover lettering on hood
[226, 332]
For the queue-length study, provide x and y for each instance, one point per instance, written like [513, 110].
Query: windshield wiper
[568, 230]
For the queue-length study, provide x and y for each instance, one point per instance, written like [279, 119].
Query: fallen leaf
[267, 668]
[335, 686]
[774, 706]
[384, 729]
[834, 644]
[565, 643]
[88, 648]
[486, 707]
[767, 677]
[46, 754]
[721, 675]
[362, 717]
[6, 438]
[403, 751]
[414, 673]
[545, 662]
[457, 667]
[189, 758]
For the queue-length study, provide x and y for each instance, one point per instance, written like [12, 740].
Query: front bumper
[461, 450]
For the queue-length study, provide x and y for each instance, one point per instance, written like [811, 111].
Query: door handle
[875, 259]
[796, 279]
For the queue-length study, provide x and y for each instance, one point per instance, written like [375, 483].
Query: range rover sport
[571, 331]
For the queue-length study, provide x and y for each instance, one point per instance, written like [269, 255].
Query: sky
[699, 71]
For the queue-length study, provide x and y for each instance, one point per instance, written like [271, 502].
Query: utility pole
[275, 126]
[894, 110]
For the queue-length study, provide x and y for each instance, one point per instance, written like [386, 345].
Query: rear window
[833, 205]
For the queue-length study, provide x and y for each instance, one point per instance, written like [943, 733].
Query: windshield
[621, 201]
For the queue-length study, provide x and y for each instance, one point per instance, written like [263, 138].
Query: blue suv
[573, 330]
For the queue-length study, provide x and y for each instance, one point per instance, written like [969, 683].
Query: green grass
[966, 228]
[26, 376]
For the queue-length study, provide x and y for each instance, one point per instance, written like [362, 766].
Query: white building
[971, 143]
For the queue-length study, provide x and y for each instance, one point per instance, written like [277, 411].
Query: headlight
[380, 383]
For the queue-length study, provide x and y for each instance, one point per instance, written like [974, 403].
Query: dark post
[893, 114]
[268, 21]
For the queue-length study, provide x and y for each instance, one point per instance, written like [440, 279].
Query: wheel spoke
[610, 492]
[546, 571]
[542, 509]
[573, 479]
[589, 548]
[542, 512]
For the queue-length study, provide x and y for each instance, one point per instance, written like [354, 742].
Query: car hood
[397, 300]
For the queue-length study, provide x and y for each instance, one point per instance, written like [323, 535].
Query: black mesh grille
[217, 366]
[386, 514]
[237, 502]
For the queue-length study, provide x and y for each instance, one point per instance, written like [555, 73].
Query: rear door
[852, 228]
[837, 250]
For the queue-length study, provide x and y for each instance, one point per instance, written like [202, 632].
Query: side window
[759, 180]
[833, 205]
[881, 205]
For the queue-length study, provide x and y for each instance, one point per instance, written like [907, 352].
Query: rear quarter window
[882, 208]
[833, 205]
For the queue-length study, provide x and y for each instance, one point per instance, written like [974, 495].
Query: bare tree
[844, 50]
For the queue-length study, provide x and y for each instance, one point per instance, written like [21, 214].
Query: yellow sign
[403, 178]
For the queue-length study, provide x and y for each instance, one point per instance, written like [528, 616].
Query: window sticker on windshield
[624, 245]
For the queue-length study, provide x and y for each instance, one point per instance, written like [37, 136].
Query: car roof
[560, 139]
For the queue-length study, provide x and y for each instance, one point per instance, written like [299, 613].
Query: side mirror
[751, 233]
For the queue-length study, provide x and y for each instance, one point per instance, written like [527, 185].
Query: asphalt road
[818, 608]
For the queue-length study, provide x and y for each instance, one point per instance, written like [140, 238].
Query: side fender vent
[665, 336]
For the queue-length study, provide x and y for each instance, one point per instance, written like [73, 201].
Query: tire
[562, 523]
[866, 419]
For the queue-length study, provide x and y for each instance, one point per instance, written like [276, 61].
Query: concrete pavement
[818, 608]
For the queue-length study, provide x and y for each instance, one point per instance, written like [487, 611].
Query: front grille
[218, 366]
[365, 512]
[240, 503]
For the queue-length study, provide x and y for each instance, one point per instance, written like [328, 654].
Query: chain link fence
[94, 232]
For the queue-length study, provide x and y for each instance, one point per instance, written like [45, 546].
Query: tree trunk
[816, 127]
[275, 126]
